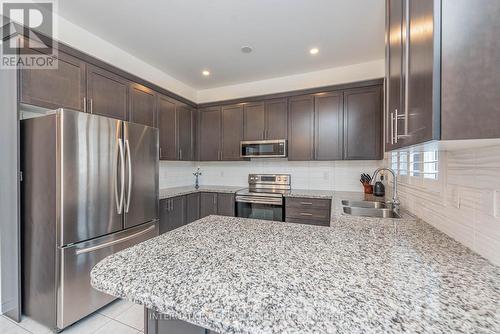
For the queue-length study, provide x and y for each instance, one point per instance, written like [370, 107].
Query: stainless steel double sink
[369, 209]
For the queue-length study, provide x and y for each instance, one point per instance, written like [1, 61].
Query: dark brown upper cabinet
[301, 127]
[254, 121]
[185, 137]
[442, 82]
[329, 124]
[232, 131]
[266, 120]
[276, 119]
[167, 128]
[142, 107]
[62, 87]
[363, 123]
[107, 93]
[209, 134]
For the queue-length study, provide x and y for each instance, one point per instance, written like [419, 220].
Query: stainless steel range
[264, 197]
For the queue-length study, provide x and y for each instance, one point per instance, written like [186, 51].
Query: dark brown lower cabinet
[310, 211]
[208, 204]
[225, 204]
[192, 207]
[216, 204]
[172, 213]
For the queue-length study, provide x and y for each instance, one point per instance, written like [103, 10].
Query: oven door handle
[257, 200]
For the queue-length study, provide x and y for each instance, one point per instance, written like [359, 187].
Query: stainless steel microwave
[264, 148]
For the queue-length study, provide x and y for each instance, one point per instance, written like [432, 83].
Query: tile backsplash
[464, 202]
[321, 175]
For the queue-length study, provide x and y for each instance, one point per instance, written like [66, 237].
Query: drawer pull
[306, 203]
[305, 214]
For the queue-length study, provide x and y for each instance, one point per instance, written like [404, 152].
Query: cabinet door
[421, 89]
[329, 124]
[232, 132]
[172, 213]
[167, 128]
[107, 93]
[394, 70]
[301, 128]
[254, 121]
[142, 105]
[63, 87]
[209, 134]
[192, 207]
[470, 69]
[208, 204]
[362, 123]
[185, 132]
[225, 205]
[276, 119]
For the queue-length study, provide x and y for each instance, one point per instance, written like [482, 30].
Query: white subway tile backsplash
[464, 202]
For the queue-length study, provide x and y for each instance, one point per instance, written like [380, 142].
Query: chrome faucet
[395, 201]
[197, 174]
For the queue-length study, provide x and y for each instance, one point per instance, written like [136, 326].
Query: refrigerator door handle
[114, 242]
[129, 192]
[119, 199]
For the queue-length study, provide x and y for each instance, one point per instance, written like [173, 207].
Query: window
[423, 165]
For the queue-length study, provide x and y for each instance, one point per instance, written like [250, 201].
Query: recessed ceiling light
[314, 51]
[246, 49]
[205, 73]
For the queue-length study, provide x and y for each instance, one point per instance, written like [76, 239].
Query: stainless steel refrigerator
[89, 189]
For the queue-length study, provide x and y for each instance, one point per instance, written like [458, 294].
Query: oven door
[263, 149]
[259, 208]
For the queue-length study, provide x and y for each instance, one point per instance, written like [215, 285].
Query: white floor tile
[116, 327]
[9, 327]
[133, 317]
[116, 308]
[33, 326]
[88, 325]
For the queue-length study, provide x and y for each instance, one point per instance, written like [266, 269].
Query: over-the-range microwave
[264, 148]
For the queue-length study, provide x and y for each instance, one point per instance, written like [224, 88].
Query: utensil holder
[368, 188]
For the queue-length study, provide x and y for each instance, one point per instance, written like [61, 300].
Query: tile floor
[121, 317]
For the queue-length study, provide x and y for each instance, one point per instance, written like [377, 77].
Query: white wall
[465, 201]
[85, 41]
[338, 75]
[327, 175]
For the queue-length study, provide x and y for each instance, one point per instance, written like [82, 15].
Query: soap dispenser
[379, 188]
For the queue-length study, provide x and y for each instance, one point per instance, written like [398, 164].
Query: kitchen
[250, 173]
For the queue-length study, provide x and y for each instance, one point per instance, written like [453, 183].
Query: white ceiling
[183, 37]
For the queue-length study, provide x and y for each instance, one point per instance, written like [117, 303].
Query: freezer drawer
[76, 297]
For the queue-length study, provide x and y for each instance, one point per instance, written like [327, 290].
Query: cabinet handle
[91, 108]
[396, 131]
[160, 152]
[180, 154]
[306, 203]
[392, 127]
[305, 214]
[84, 104]
[263, 134]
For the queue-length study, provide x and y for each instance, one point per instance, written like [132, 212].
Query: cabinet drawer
[315, 203]
[308, 222]
[308, 213]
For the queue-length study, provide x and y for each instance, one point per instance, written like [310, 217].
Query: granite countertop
[307, 193]
[180, 191]
[235, 275]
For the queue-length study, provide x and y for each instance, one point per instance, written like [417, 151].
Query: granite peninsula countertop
[235, 275]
